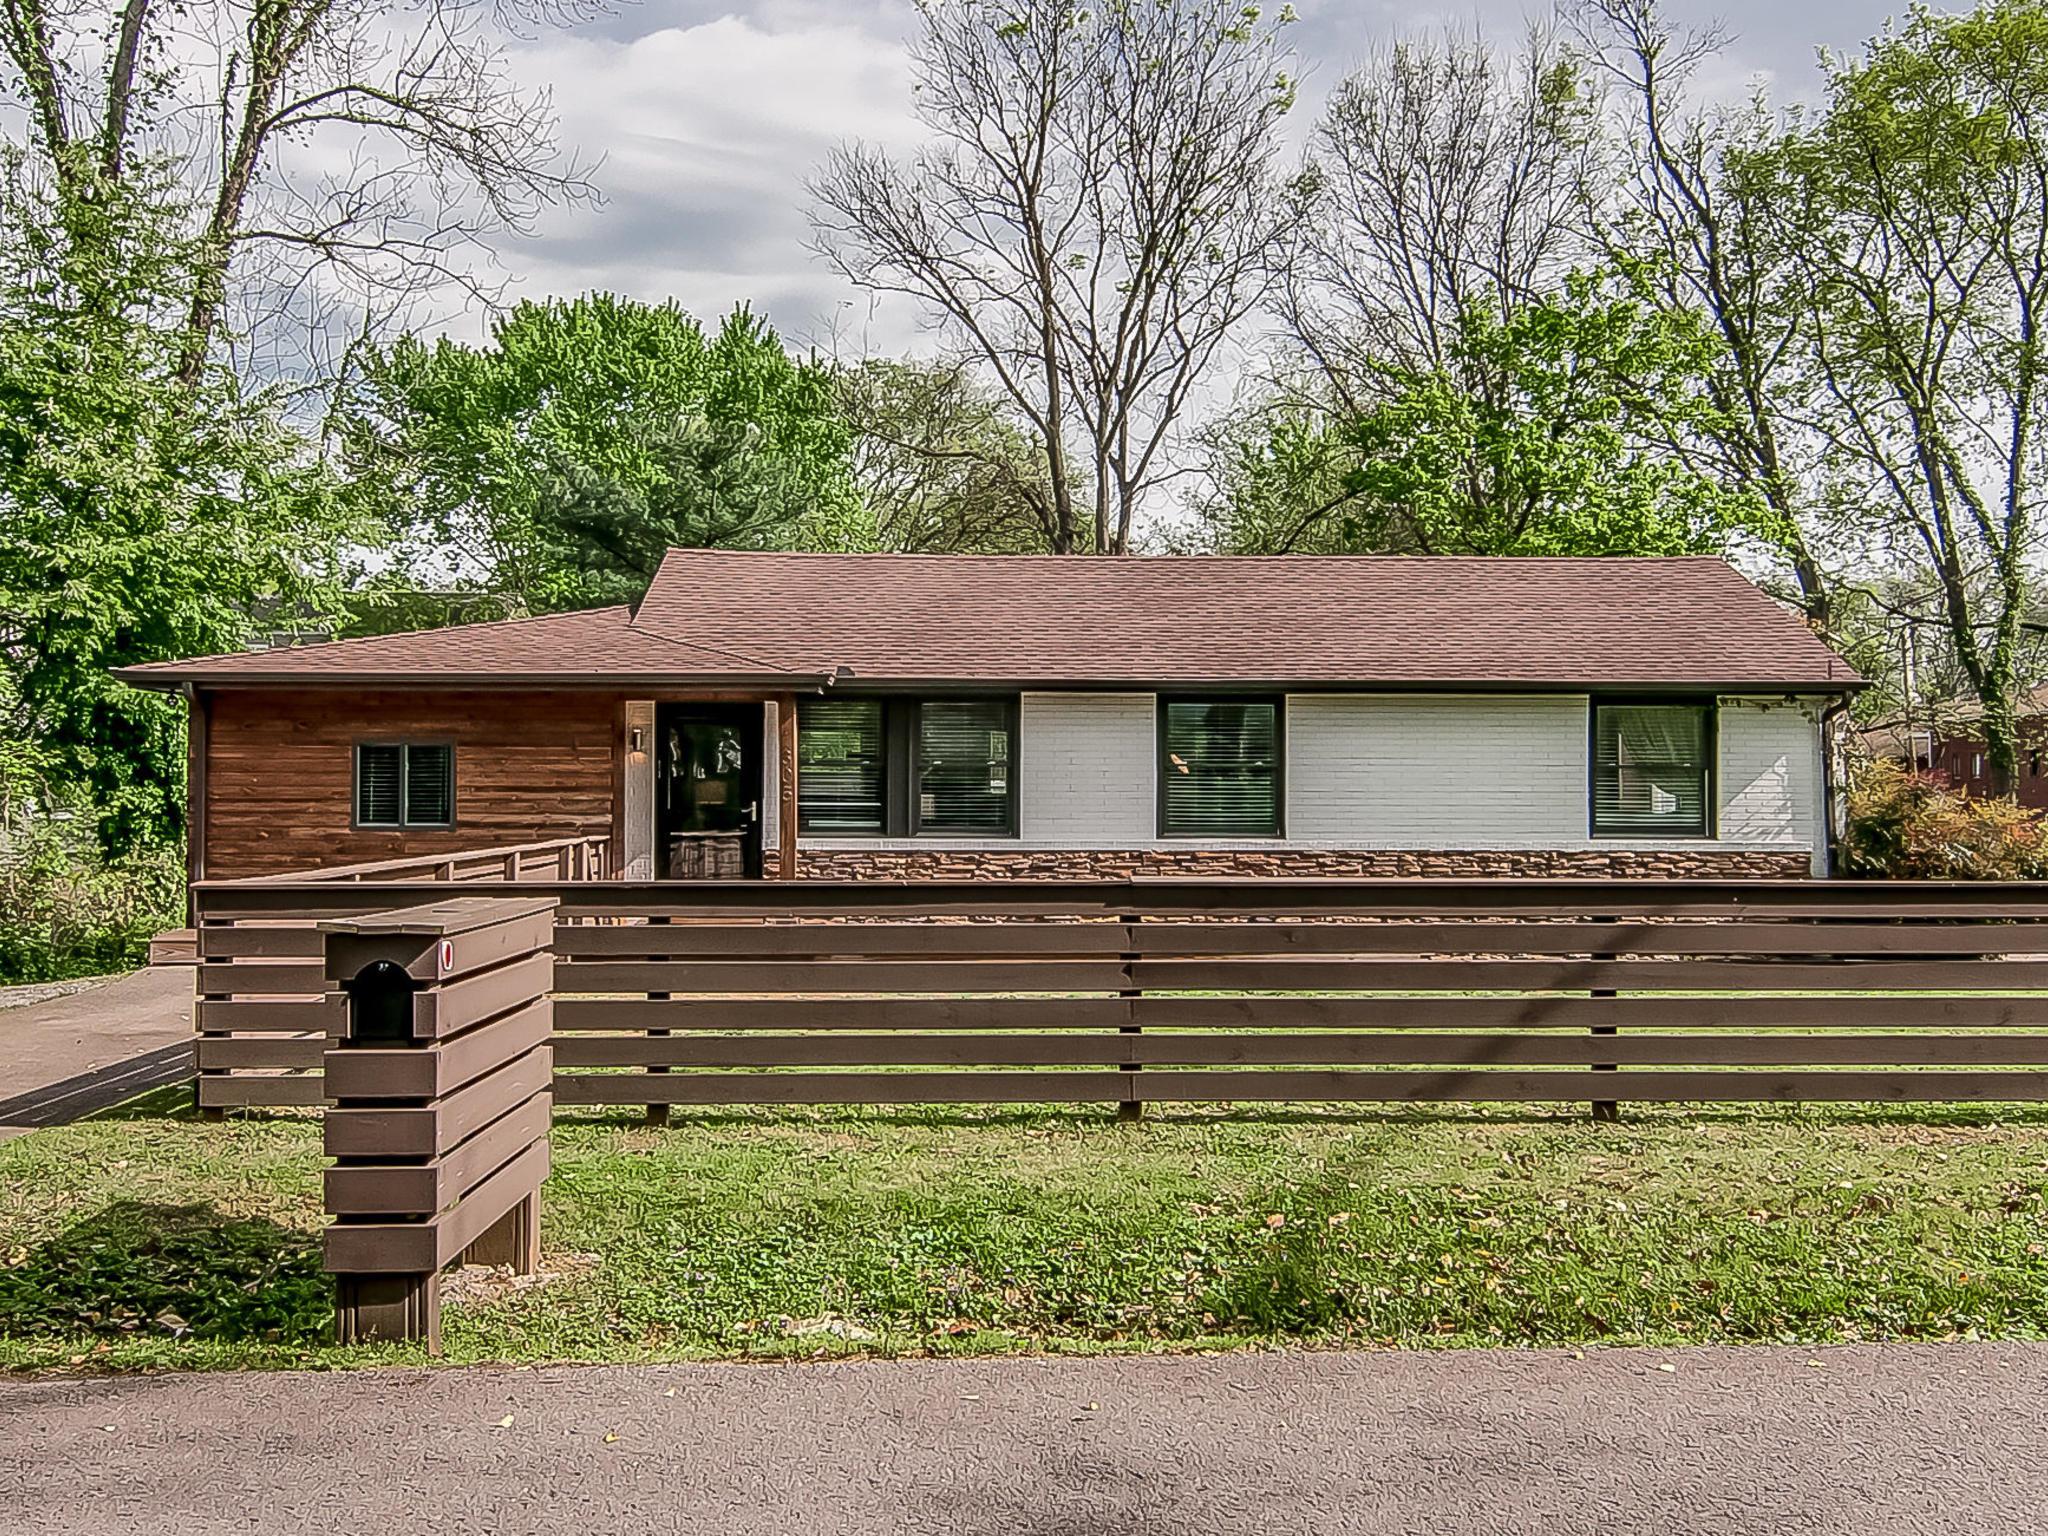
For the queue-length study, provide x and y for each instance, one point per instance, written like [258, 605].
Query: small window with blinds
[1653, 769]
[965, 778]
[405, 784]
[840, 766]
[1220, 768]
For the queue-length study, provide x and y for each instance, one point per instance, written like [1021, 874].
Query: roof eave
[171, 682]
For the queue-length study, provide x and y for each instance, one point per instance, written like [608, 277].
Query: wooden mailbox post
[439, 1071]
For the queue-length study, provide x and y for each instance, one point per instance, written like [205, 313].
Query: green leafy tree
[144, 513]
[1533, 437]
[1927, 290]
[940, 465]
[556, 462]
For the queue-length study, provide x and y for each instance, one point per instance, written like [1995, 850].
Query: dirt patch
[480, 1285]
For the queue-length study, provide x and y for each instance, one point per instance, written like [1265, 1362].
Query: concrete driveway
[71, 1049]
[1755, 1442]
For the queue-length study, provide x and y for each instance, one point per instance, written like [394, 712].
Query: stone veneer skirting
[1704, 862]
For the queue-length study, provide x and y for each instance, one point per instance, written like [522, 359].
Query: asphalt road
[1871, 1441]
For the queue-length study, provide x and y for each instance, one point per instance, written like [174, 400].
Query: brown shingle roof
[1522, 623]
[594, 645]
[1308, 619]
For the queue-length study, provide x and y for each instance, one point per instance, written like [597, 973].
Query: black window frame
[902, 769]
[404, 746]
[1161, 766]
[1710, 746]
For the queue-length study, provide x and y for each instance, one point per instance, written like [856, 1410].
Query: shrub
[65, 910]
[1917, 826]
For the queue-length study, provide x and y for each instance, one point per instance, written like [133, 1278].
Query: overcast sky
[708, 117]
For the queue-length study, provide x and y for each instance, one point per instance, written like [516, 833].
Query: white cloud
[707, 133]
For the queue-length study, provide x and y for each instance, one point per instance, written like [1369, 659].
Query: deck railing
[556, 859]
[1122, 992]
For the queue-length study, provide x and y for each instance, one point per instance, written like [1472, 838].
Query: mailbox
[379, 1004]
[439, 1070]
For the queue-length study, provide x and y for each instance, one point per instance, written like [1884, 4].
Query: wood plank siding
[280, 773]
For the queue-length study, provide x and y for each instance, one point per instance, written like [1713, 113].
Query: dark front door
[707, 791]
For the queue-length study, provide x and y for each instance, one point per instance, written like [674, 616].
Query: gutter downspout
[1834, 809]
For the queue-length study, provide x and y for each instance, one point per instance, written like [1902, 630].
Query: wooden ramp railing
[1127, 992]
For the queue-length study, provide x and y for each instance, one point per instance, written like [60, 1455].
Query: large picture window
[1653, 768]
[1219, 768]
[405, 784]
[898, 767]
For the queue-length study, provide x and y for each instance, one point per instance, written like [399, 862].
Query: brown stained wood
[829, 976]
[279, 772]
[243, 1091]
[240, 941]
[1404, 936]
[1105, 1087]
[444, 940]
[755, 941]
[1482, 975]
[1921, 1012]
[371, 1247]
[396, 1308]
[512, 1240]
[225, 1015]
[357, 1072]
[787, 767]
[1303, 1050]
[263, 978]
[220, 1053]
[1650, 1086]
[198, 713]
[377, 1188]
[612, 1013]
[1175, 900]
[1525, 940]
[449, 1009]
[1278, 1085]
[430, 1130]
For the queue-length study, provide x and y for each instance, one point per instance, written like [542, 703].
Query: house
[1948, 740]
[1002, 715]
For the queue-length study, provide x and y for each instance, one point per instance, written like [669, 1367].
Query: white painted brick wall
[1437, 771]
[1426, 771]
[1087, 765]
[1770, 772]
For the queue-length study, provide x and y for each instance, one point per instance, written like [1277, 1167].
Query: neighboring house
[996, 715]
[1948, 742]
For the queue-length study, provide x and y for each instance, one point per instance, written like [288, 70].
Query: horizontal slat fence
[1120, 992]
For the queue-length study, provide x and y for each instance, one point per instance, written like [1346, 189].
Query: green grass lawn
[148, 1239]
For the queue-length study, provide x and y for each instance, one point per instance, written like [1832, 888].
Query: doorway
[707, 791]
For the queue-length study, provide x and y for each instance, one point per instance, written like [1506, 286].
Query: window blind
[963, 762]
[379, 772]
[839, 765]
[1219, 768]
[429, 785]
[1651, 770]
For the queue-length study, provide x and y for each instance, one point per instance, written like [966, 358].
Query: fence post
[1605, 1109]
[1132, 1108]
[440, 1072]
[657, 1114]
